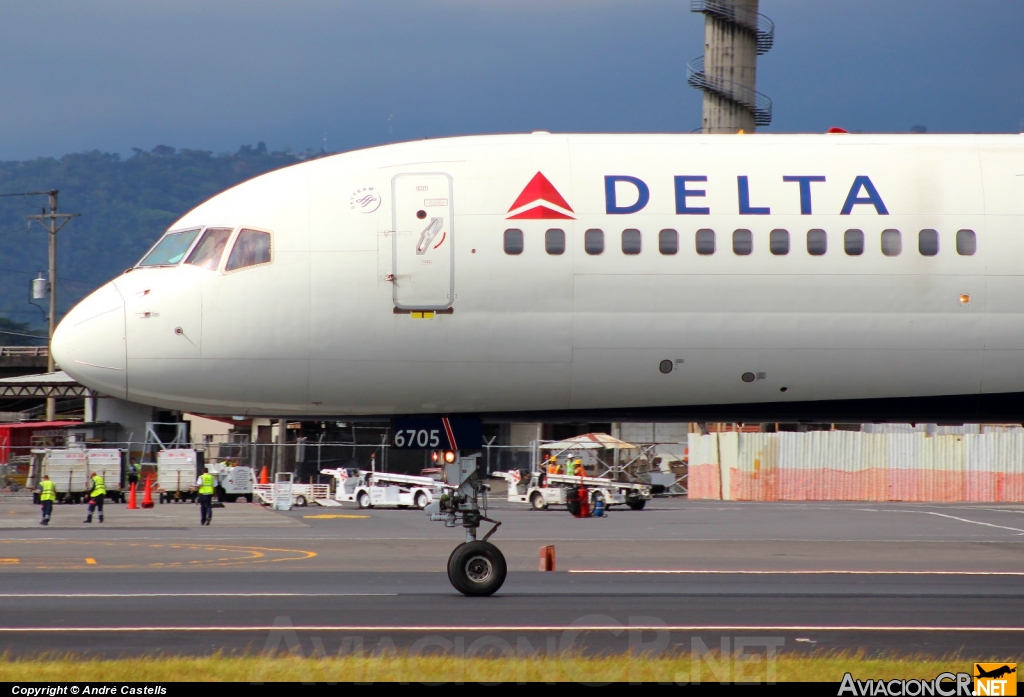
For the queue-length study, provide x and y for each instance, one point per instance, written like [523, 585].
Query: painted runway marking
[975, 522]
[616, 628]
[335, 515]
[821, 572]
[150, 555]
[8, 560]
[195, 595]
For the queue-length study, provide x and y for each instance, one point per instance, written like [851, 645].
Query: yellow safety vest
[207, 483]
[99, 487]
[49, 491]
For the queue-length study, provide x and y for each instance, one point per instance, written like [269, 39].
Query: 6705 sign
[418, 438]
[443, 433]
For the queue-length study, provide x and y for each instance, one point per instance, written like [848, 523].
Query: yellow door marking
[90, 560]
[8, 560]
[335, 515]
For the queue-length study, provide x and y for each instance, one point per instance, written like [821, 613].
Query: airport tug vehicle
[541, 490]
[476, 567]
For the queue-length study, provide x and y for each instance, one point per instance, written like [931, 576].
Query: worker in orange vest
[579, 471]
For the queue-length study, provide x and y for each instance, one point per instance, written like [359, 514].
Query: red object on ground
[584, 503]
[837, 129]
[132, 504]
[264, 477]
[147, 497]
[547, 558]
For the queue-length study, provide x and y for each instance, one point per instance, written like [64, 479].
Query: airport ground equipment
[67, 469]
[541, 490]
[301, 494]
[233, 483]
[476, 567]
[370, 489]
[283, 491]
[107, 462]
[176, 475]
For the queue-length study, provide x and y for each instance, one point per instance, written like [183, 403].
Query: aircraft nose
[89, 343]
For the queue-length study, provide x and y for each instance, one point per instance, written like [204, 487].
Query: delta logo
[540, 200]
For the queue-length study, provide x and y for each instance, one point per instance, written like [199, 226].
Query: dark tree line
[126, 203]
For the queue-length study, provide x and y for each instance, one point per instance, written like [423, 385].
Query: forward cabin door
[423, 251]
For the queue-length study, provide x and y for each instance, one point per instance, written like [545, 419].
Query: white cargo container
[69, 472]
[107, 464]
[176, 475]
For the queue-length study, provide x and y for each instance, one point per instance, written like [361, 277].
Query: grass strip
[403, 667]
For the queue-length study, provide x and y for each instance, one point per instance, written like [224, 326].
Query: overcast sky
[212, 74]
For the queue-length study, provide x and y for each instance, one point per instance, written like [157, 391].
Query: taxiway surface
[906, 577]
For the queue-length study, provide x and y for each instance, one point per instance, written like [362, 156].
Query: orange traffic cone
[264, 477]
[147, 497]
[547, 558]
[132, 505]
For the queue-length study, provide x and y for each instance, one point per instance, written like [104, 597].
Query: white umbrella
[589, 441]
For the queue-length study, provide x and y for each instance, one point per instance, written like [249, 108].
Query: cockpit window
[251, 247]
[210, 249]
[169, 250]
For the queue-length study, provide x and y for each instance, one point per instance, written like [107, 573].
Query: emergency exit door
[423, 251]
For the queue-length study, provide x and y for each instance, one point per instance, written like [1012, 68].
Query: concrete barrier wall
[858, 466]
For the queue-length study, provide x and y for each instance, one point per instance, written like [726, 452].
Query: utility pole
[53, 222]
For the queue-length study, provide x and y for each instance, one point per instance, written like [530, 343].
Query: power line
[9, 333]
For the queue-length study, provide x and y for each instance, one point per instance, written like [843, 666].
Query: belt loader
[541, 490]
[370, 489]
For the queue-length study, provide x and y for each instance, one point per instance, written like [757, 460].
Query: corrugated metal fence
[858, 466]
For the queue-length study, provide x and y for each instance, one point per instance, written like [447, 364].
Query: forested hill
[125, 204]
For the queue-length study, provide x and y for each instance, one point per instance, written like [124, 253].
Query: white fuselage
[366, 244]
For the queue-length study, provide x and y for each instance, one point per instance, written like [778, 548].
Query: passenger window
[554, 241]
[513, 241]
[966, 243]
[928, 242]
[252, 247]
[705, 240]
[853, 242]
[817, 242]
[892, 243]
[668, 241]
[170, 249]
[593, 241]
[631, 241]
[778, 242]
[742, 242]
[210, 249]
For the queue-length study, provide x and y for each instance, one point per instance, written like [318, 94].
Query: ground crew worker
[553, 465]
[206, 483]
[579, 471]
[47, 495]
[96, 496]
[133, 472]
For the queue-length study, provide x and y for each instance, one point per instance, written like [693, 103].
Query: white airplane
[586, 277]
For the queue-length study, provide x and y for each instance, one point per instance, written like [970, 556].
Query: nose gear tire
[477, 568]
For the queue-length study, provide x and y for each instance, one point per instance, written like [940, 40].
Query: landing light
[449, 456]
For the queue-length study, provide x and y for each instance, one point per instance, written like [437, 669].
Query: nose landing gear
[476, 567]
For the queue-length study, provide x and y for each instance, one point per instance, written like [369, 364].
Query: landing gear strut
[476, 567]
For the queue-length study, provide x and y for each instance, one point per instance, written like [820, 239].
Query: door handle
[428, 235]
